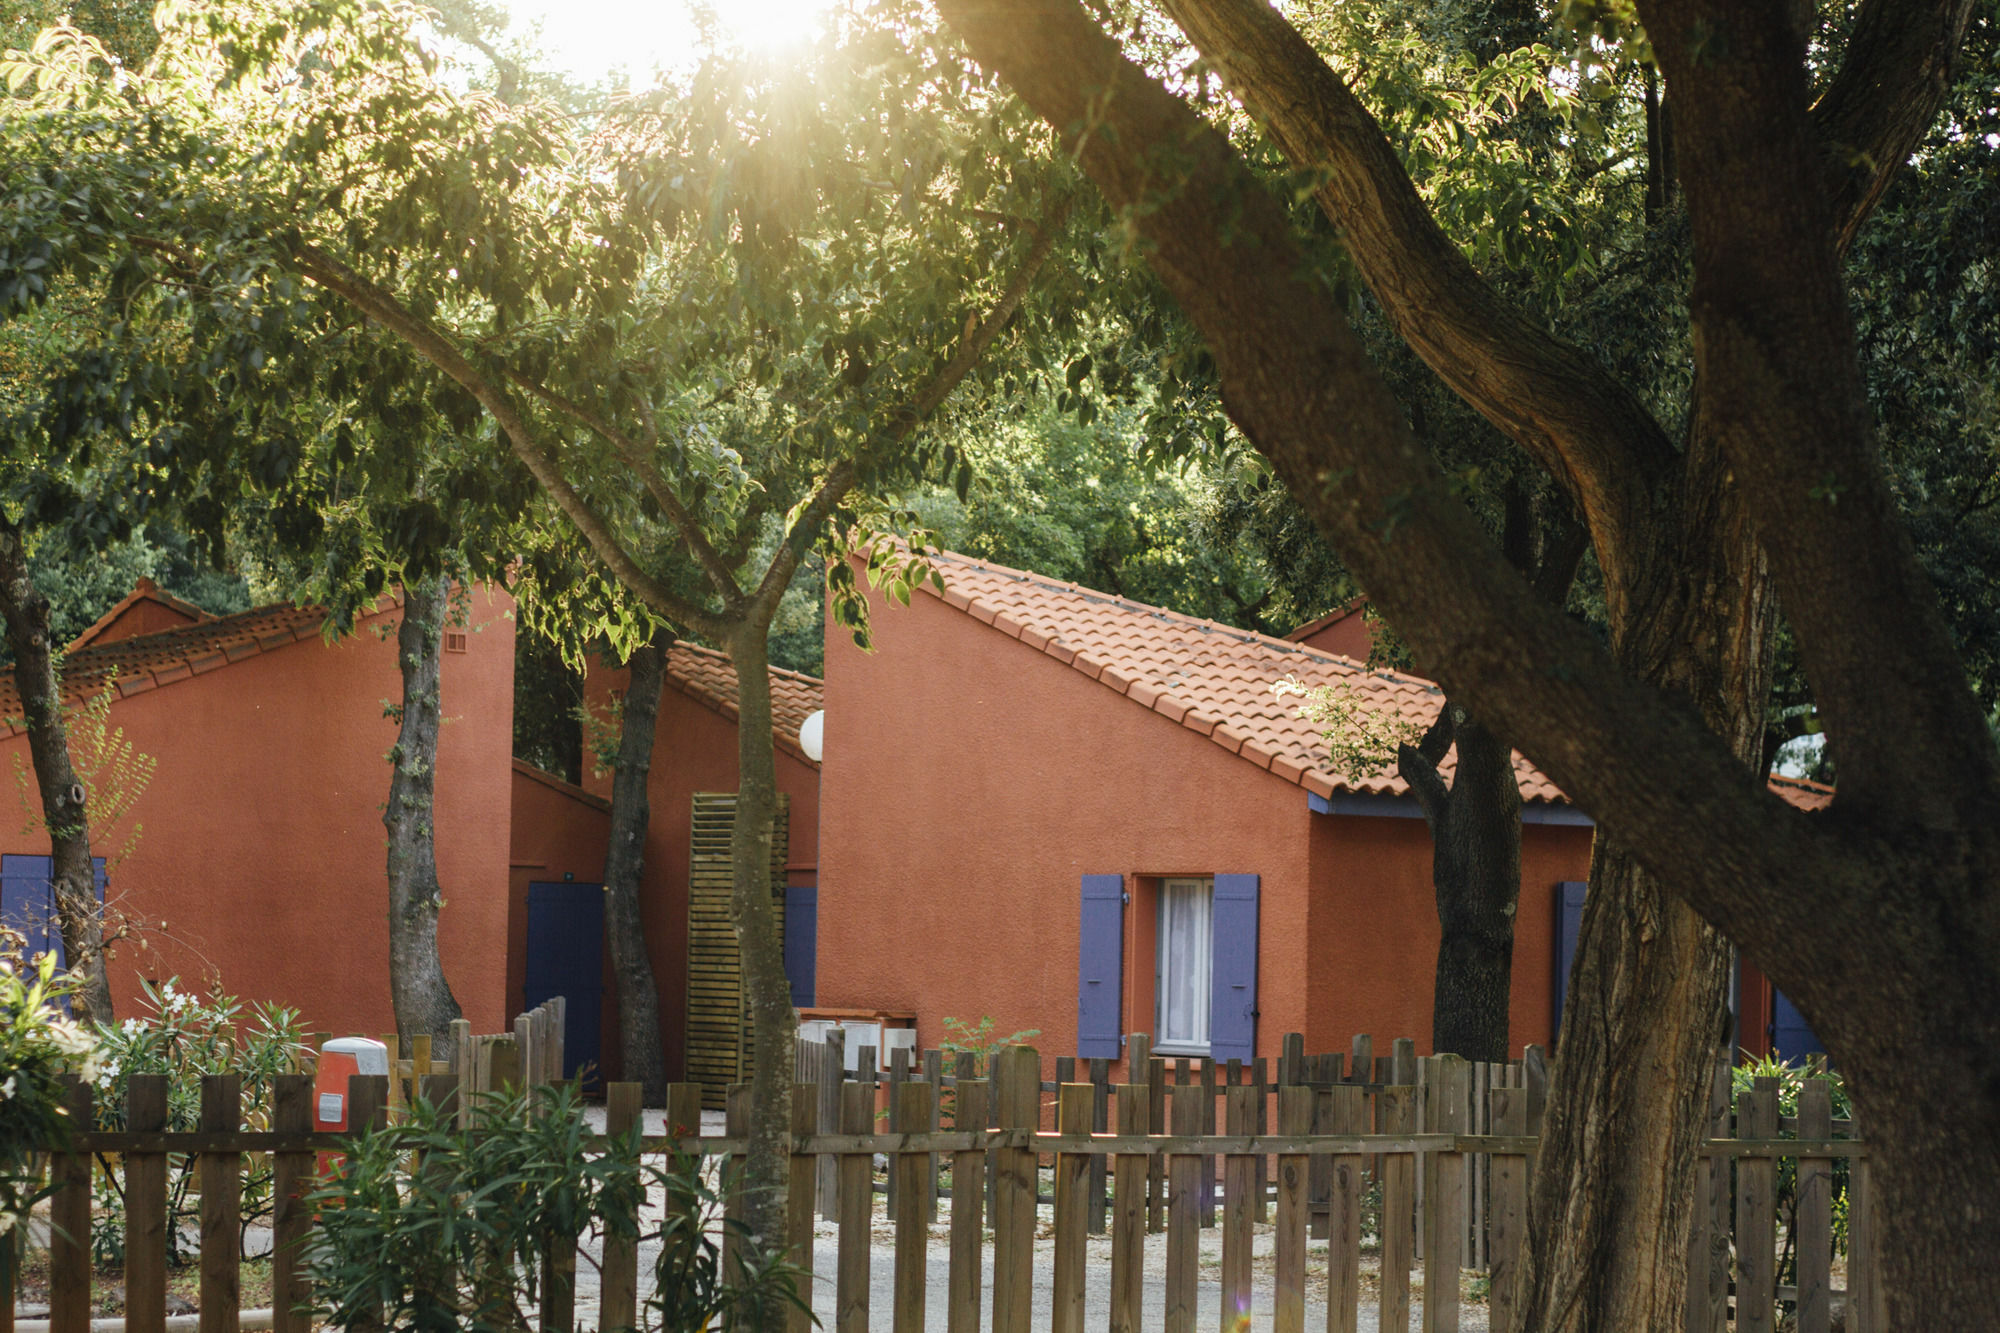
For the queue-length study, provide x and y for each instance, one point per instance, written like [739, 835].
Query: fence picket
[291, 1215]
[857, 1208]
[1288, 1302]
[146, 1209]
[1812, 1238]
[912, 1110]
[1075, 1105]
[968, 1198]
[800, 1205]
[618, 1274]
[1396, 1113]
[1508, 1198]
[1014, 1187]
[1238, 1179]
[1128, 1214]
[1756, 1213]
[221, 1176]
[1349, 1115]
[1184, 1214]
[1708, 1239]
[69, 1219]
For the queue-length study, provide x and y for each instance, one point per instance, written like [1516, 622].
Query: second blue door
[566, 958]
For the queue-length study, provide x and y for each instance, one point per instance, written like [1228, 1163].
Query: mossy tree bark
[417, 986]
[65, 804]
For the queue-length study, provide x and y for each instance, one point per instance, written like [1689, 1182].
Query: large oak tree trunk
[1475, 828]
[1646, 1008]
[417, 985]
[773, 1023]
[64, 804]
[639, 1049]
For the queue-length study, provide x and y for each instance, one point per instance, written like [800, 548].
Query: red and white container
[339, 1060]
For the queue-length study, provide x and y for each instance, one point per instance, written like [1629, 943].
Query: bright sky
[593, 37]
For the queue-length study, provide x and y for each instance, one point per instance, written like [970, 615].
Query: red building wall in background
[694, 751]
[970, 781]
[261, 859]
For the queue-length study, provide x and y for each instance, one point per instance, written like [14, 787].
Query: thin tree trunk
[1476, 870]
[417, 985]
[1646, 1008]
[63, 798]
[773, 1024]
[643, 1060]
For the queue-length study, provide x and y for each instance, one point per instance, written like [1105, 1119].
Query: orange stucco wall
[694, 751]
[261, 859]
[970, 781]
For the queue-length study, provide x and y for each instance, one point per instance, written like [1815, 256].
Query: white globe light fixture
[812, 733]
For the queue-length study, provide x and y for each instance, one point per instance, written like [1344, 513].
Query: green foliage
[114, 774]
[1791, 1080]
[185, 1036]
[456, 1242]
[977, 1040]
[1360, 739]
[38, 1045]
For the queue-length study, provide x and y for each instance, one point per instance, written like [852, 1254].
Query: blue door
[566, 958]
[1569, 927]
[28, 901]
[802, 942]
[1791, 1037]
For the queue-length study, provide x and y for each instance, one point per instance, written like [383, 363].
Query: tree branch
[634, 454]
[1782, 396]
[1898, 69]
[1298, 383]
[1584, 427]
[431, 344]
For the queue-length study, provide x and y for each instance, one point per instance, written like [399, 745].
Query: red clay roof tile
[709, 677]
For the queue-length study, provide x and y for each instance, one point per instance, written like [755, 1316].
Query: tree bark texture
[767, 991]
[417, 987]
[643, 1059]
[1475, 825]
[64, 801]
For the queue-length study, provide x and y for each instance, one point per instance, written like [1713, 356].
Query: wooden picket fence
[1436, 1154]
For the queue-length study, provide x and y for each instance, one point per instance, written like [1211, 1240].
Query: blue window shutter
[801, 942]
[1569, 924]
[1791, 1036]
[1100, 967]
[1232, 1015]
[28, 902]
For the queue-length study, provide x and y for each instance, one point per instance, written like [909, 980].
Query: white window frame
[1185, 923]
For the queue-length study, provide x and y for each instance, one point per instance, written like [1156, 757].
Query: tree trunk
[1646, 1008]
[1476, 869]
[773, 1024]
[639, 1047]
[417, 985]
[63, 798]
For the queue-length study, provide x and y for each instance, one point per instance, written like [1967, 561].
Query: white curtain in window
[1182, 1002]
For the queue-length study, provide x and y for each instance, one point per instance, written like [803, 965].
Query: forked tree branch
[927, 400]
[438, 349]
[635, 455]
[1296, 380]
[1782, 394]
[1582, 425]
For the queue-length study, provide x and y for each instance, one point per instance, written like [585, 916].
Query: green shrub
[184, 1036]
[456, 1243]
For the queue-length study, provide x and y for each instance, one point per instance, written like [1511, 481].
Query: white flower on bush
[7, 1089]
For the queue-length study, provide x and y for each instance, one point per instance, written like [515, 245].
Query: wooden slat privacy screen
[718, 1031]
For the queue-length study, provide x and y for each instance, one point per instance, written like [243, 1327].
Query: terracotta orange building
[1086, 815]
[260, 857]
[695, 751]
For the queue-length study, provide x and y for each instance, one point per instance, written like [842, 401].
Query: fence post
[857, 1209]
[1708, 1237]
[916, 1102]
[1207, 1127]
[1867, 1306]
[618, 1295]
[968, 1206]
[1814, 1220]
[1288, 1309]
[1260, 1079]
[1444, 1201]
[933, 1075]
[1020, 1098]
[1239, 1177]
[1324, 1073]
[1348, 1115]
[1756, 1212]
[1100, 1123]
[1128, 1214]
[1075, 1106]
[291, 1215]
[1184, 1212]
[69, 1217]
[832, 1073]
[221, 1205]
[1510, 1207]
[799, 1203]
[899, 1074]
[146, 1207]
[1396, 1113]
[1156, 1164]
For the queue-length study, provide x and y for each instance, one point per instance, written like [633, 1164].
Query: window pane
[1181, 1011]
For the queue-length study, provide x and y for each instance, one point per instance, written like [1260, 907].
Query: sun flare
[592, 38]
